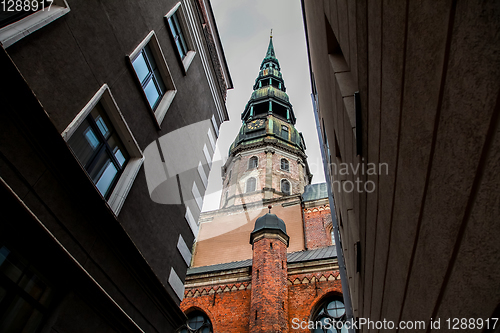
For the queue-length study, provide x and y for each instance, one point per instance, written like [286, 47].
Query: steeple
[270, 55]
[251, 173]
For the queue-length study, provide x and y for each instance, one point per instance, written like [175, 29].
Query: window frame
[321, 311]
[163, 104]
[124, 182]
[282, 181]
[253, 158]
[26, 25]
[179, 12]
[287, 165]
[247, 183]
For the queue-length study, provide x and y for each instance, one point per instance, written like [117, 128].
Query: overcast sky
[244, 28]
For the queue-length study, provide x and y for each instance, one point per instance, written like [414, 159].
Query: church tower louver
[267, 159]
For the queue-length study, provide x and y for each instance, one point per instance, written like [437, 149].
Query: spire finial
[271, 33]
[269, 208]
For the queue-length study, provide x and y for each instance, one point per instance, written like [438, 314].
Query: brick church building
[265, 261]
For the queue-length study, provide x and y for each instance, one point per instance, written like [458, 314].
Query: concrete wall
[427, 74]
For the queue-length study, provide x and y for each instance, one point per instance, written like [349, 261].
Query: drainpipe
[340, 254]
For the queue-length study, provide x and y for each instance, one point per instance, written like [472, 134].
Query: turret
[269, 305]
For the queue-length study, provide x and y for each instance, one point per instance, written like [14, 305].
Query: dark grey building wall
[427, 74]
[58, 69]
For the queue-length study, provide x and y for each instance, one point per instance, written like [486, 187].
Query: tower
[269, 304]
[267, 159]
[286, 274]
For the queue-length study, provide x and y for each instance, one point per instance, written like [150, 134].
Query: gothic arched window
[328, 315]
[284, 164]
[251, 184]
[197, 322]
[253, 162]
[285, 186]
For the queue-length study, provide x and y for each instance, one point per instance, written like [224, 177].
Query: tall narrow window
[284, 165]
[253, 162]
[99, 149]
[179, 31]
[251, 184]
[285, 186]
[153, 75]
[284, 132]
[149, 75]
[175, 28]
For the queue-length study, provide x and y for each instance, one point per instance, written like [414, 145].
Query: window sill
[188, 59]
[22, 28]
[162, 108]
[124, 185]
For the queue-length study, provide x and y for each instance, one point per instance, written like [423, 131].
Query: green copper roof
[270, 55]
[270, 49]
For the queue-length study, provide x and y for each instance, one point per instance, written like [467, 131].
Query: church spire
[270, 54]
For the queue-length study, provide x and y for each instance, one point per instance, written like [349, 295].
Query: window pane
[84, 142]
[140, 67]
[102, 121]
[103, 173]
[176, 29]
[179, 48]
[107, 178]
[196, 322]
[336, 309]
[102, 126]
[151, 93]
[159, 81]
[32, 284]
[118, 150]
[251, 184]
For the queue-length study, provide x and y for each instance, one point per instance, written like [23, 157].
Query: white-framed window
[285, 186]
[284, 165]
[153, 75]
[251, 184]
[105, 147]
[18, 19]
[181, 35]
[253, 162]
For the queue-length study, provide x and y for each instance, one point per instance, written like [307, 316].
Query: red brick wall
[228, 311]
[268, 311]
[306, 291]
[228, 306]
[317, 223]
